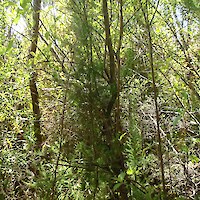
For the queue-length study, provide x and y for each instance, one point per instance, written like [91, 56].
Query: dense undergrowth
[117, 85]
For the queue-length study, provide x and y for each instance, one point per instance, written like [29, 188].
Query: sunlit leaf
[9, 142]
[129, 171]
[10, 45]
[24, 3]
[121, 137]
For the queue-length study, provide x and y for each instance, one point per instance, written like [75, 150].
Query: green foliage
[88, 153]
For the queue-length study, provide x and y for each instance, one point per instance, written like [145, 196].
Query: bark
[117, 160]
[32, 84]
[109, 42]
[157, 112]
[112, 65]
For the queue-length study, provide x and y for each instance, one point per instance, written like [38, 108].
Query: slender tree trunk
[157, 115]
[112, 65]
[148, 23]
[118, 121]
[32, 84]
[110, 128]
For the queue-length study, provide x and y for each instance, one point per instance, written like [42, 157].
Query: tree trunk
[32, 84]
[110, 127]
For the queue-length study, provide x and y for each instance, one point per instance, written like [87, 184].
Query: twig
[60, 147]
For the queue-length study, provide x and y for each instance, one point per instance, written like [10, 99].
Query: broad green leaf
[121, 177]
[24, 3]
[116, 186]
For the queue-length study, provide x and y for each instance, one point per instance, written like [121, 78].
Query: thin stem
[60, 147]
[119, 64]
[155, 99]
